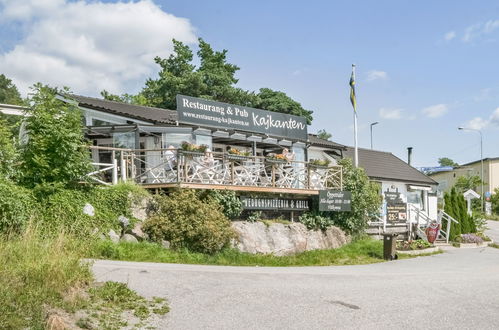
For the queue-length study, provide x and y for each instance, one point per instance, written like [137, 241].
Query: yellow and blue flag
[352, 90]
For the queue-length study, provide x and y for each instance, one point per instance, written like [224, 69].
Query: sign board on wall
[275, 204]
[335, 200]
[396, 209]
[193, 110]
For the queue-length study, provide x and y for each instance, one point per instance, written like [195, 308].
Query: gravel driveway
[455, 290]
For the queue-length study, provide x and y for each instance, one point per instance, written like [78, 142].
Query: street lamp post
[481, 159]
[372, 124]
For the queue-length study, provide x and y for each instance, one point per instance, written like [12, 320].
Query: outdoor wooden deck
[182, 169]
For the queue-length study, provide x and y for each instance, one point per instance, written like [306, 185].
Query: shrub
[254, 216]
[470, 238]
[232, 206]
[188, 222]
[7, 151]
[315, 221]
[62, 209]
[17, 206]
[366, 200]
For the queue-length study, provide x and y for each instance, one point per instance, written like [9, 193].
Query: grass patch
[494, 245]
[364, 251]
[45, 284]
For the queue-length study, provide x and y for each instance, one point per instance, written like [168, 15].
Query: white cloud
[478, 30]
[375, 75]
[480, 123]
[390, 113]
[450, 35]
[89, 45]
[435, 111]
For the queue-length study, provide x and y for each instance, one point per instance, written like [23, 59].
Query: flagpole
[356, 153]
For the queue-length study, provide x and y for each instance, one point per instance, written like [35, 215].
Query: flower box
[276, 161]
[233, 157]
[191, 153]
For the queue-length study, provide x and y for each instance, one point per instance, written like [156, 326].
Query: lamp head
[461, 128]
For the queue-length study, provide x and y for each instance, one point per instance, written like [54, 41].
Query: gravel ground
[455, 290]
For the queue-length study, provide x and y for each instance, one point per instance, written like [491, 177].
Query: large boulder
[284, 239]
[140, 207]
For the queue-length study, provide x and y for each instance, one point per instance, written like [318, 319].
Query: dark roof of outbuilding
[149, 114]
[386, 166]
[314, 140]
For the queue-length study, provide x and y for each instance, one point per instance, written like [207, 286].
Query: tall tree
[214, 79]
[7, 151]
[464, 183]
[444, 161]
[8, 91]
[55, 150]
[323, 134]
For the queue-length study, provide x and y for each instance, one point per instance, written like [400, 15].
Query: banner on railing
[193, 110]
[335, 200]
[275, 204]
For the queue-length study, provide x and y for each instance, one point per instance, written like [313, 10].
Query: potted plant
[235, 154]
[279, 158]
[191, 149]
[319, 163]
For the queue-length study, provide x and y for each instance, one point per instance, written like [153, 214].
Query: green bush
[55, 150]
[62, 209]
[7, 151]
[456, 207]
[232, 206]
[366, 199]
[315, 221]
[188, 222]
[17, 206]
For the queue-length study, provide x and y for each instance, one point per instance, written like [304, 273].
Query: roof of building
[386, 166]
[149, 114]
[314, 140]
[478, 161]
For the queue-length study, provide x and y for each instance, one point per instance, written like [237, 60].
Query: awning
[425, 188]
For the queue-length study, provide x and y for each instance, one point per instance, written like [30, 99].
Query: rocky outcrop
[284, 239]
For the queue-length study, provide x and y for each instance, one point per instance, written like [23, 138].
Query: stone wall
[285, 239]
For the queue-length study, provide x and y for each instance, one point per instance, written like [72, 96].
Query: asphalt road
[455, 290]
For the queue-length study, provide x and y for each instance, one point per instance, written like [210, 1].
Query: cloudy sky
[423, 67]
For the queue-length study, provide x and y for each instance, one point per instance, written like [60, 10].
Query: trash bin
[389, 246]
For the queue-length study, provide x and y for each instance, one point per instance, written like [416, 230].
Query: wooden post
[115, 171]
[122, 167]
[308, 176]
[448, 229]
[273, 175]
[232, 172]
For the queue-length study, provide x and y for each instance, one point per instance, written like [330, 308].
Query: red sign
[432, 232]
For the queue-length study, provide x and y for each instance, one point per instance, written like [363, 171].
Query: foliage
[366, 200]
[188, 222]
[55, 150]
[323, 134]
[444, 161]
[232, 206]
[237, 152]
[417, 244]
[63, 208]
[17, 206]
[320, 162]
[494, 199]
[9, 93]
[364, 251]
[315, 221]
[470, 238]
[7, 151]
[464, 183]
[186, 146]
[37, 274]
[213, 79]
[254, 216]
[455, 206]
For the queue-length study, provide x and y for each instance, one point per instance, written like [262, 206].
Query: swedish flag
[352, 89]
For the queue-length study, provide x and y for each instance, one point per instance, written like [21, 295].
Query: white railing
[157, 166]
[423, 221]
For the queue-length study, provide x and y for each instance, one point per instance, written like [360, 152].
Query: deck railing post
[122, 167]
[115, 168]
[448, 229]
[273, 175]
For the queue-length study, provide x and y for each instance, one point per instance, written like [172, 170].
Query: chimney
[409, 155]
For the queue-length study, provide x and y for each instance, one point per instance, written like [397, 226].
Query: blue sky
[423, 68]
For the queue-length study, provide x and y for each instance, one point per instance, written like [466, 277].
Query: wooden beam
[231, 187]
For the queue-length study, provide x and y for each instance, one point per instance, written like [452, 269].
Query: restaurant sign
[396, 208]
[196, 111]
[335, 200]
[274, 204]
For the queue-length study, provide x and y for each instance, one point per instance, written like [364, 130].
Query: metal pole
[481, 160]
[372, 124]
[356, 152]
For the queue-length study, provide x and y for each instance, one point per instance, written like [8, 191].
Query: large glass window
[176, 139]
[124, 140]
[204, 140]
